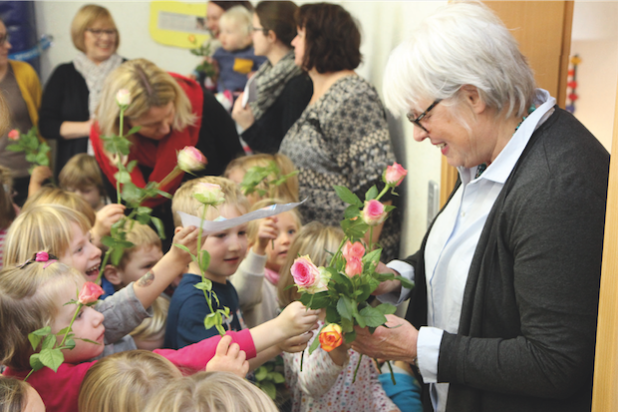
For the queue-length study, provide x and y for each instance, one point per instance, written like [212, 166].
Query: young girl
[325, 383]
[18, 396]
[82, 175]
[211, 391]
[257, 284]
[8, 211]
[65, 233]
[288, 192]
[34, 295]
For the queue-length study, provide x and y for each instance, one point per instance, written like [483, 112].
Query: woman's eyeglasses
[4, 38]
[99, 32]
[417, 120]
[262, 29]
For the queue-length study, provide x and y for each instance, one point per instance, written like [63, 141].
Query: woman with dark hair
[283, 90]
[215, 9]
[342, 136]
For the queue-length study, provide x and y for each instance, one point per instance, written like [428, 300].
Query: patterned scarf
[270, 81]
[95, 74]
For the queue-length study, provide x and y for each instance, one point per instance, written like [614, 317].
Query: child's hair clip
[42, 256]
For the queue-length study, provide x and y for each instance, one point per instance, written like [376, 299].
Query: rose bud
[353, 250]
[330, 337]
[353, 267]
[14, 134]
[394, 174]
[123, 97]
[373, 213]
[90, 293]
[190, 159]
[209, 194]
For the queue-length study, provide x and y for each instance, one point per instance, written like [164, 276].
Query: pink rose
[209, 194]
[123, 97]
[190, 159]
[353, 250]
[307, 276]
[373, 213]
[353, 267]
[14, 134]
[90, 293]
[394, 174]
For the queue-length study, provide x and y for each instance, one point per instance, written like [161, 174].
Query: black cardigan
[65, 98]
[266, 134]
[527, 330]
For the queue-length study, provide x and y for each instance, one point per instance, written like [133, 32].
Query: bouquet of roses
[343, 287]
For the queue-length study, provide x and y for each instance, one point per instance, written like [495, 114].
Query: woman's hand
[242, 115]
[388, 285]
[74, 130]
[397, 342]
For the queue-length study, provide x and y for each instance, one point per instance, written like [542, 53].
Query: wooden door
[543, 31]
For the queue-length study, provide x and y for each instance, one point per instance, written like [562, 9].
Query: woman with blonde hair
[125, 381]
[212, 392]
[73, 91]
[172, 112]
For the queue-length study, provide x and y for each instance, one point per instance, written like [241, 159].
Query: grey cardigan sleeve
[123, 312]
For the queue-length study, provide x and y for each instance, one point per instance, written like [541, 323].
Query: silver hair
[460, 44]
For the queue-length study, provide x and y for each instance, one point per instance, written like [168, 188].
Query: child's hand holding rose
[267, 231]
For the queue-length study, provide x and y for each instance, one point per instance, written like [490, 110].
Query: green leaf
[49, 342]
[276, 377]
[372, 193]
[122, 176]
[164, 194]
[133, 130]
[381, 277]
[159, 225]
[35, 362]
[386, 308]
[347, 196]
[42, 159]
[343, 284]
[346, 307]
[372, 316]
[351, 212]
[347, 325]
[144, 219]
[205, 284]
[373, 256]
[204, 260]
[63, 331]
[70, 343]
[52, 358]
[332, 316]
[269, 388]
[261, 373]
[15, 148]
[210, 320]
[316, 341]
[320, 300]
[360, 320]
[115, 256]
[131, 193]
[144, 210]
[183, 247]
[350, 337]
[42, 332]
[131, 165]
[34, 340]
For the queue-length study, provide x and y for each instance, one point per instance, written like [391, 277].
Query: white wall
[384, 25]
[595, 40]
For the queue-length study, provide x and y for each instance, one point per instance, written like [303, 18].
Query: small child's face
[141, 260]
[232, 37]
[288, 228]
[90, 194]
[88, 325]
[227, 248]
[82, 254]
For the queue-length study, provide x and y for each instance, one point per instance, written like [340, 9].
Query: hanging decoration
[572, 83]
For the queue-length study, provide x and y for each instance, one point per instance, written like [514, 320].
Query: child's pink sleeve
[196, 356]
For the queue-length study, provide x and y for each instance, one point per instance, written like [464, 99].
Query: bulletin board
[179, 24]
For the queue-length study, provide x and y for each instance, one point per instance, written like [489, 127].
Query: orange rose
[330, 337]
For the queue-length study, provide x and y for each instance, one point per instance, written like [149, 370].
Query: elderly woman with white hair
[503, 315]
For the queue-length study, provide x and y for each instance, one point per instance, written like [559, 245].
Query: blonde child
[211, 391]
[81, 175]
[8, 211]
[65, 233]
[287, 192]
[150, 334]
[257, 277]
[325, 383]
[34, 295]
[18, 396]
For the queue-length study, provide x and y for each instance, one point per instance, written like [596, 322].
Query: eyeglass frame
[5, 38]
[262, 29]
[417, 121]
[99, 32]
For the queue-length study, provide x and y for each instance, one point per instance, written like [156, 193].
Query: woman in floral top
[342, 136]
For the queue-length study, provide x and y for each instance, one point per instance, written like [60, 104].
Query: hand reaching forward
[229, 358]
[267, 231]
[398, 342]
[296, 319]
[296, 343]
[106, 217]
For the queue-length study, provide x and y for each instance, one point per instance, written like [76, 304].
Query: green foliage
[35, 150]
[269, 377]
[256, 180]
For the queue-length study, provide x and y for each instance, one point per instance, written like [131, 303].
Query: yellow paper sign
[173, 22]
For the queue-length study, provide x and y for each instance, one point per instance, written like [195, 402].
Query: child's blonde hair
[13, 394]
[213, 392]
[318, 241]
[56, 196]
[41, 227]
[29, 300]
[149, 87]
[125, 381]
[153, 327]
[239, 15]
[7, 211]
[183, 200]
[81, 171]
[254, 225]
[288, 191]
[142, 236]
